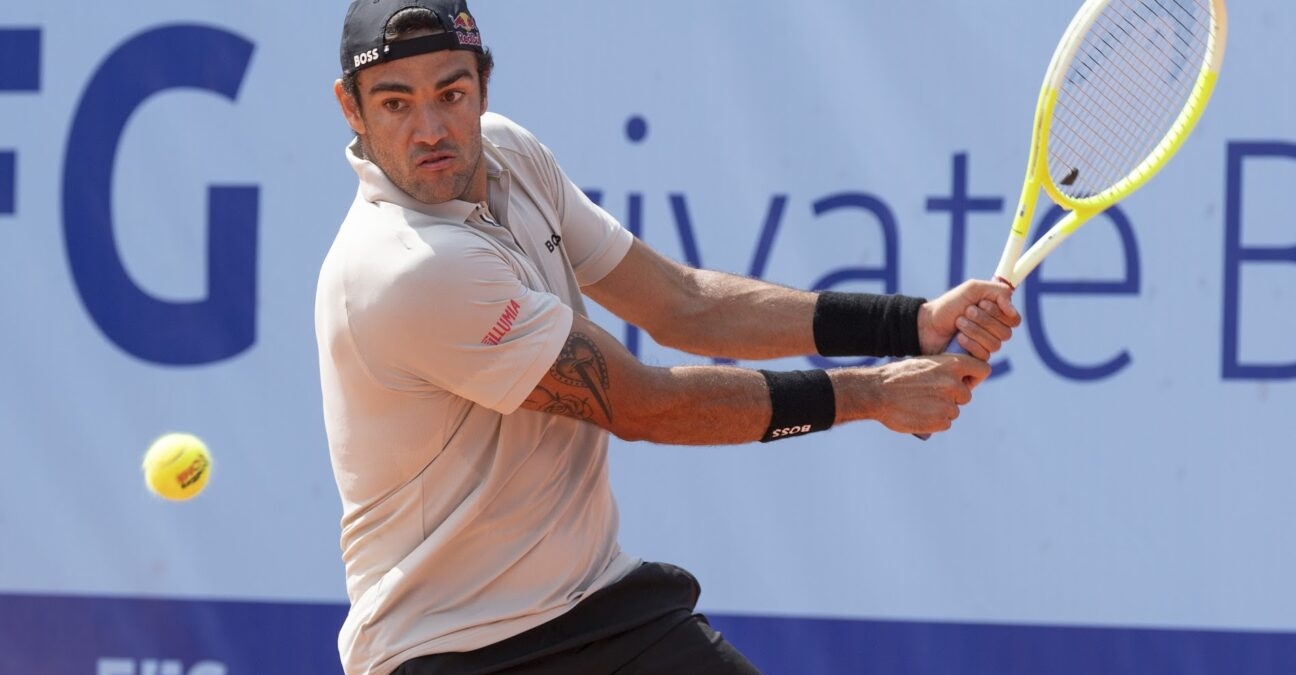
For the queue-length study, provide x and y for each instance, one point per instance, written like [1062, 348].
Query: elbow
[631, 437]
[639, 408]
[680, 332]
[631, 430]
[668, 337]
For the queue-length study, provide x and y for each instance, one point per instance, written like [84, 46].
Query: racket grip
[953, 348]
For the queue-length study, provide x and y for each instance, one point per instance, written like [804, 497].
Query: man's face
[420, 121]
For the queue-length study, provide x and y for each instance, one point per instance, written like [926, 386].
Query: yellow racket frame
[1014, 265]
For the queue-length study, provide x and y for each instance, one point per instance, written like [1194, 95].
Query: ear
[350, 108]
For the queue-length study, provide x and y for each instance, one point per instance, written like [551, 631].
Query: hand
[917, 395]
[979, 312]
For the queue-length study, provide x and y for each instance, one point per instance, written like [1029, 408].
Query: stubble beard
[447, 185]
[453, 184]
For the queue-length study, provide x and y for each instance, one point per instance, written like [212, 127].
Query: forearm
[740, 318]
[717, 314]
[750, 319]
[595, 379]
[698, 405]
[717, 405]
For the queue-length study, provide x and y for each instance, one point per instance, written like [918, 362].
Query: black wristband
[863, 324]
[802, 401]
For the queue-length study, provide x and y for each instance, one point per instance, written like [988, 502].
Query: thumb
[973, 370]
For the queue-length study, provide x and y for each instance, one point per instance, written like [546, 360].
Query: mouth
[435, 161]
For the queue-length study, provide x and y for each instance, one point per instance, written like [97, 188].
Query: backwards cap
[364, 40]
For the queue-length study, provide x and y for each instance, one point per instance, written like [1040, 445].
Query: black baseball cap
[364, 41]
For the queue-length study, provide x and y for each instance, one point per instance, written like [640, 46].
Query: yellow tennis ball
[177, 466]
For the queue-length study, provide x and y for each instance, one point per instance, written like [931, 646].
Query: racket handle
[953, 348]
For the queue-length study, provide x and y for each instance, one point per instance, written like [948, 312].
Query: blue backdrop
[1112, 502]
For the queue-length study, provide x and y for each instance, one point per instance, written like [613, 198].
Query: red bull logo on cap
[466, 30]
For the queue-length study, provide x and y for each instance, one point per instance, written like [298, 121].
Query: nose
[429, 125]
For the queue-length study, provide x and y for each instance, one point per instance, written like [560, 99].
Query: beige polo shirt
[465, 520]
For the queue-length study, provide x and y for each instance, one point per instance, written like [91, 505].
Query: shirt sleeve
[595, 241]
[455, 316]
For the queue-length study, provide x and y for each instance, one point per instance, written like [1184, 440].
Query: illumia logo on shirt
[503, 324]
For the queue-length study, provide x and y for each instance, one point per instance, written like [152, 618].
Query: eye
[453, 96]
[393, 105]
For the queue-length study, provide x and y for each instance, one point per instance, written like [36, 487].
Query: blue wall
[1111, 502]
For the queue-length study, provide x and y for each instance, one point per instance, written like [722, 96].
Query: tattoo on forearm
[581, 364]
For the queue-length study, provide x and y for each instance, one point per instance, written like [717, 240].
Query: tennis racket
[1126, 86]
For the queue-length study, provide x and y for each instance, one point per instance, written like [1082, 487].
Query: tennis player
[468, 400]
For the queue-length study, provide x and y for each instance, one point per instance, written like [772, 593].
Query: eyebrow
[454, 77]
[399, 88]
[396, 87]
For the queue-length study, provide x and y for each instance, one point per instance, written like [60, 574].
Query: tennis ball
[177, 466]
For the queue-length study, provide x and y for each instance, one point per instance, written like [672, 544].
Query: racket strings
[1151, 101]
[1136, 110]
[1143, 106]
[1148, 102]
[1132, 75]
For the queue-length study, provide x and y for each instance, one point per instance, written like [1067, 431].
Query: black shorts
[642, 624]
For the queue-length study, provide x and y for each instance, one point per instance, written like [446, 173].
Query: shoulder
[388, 261]
[512, 138]
[438, 258]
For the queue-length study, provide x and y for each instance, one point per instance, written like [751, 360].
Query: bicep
[646, 289]
[707, 312]
[594, 379]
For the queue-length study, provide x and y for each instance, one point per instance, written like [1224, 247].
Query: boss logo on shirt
[553, 242]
